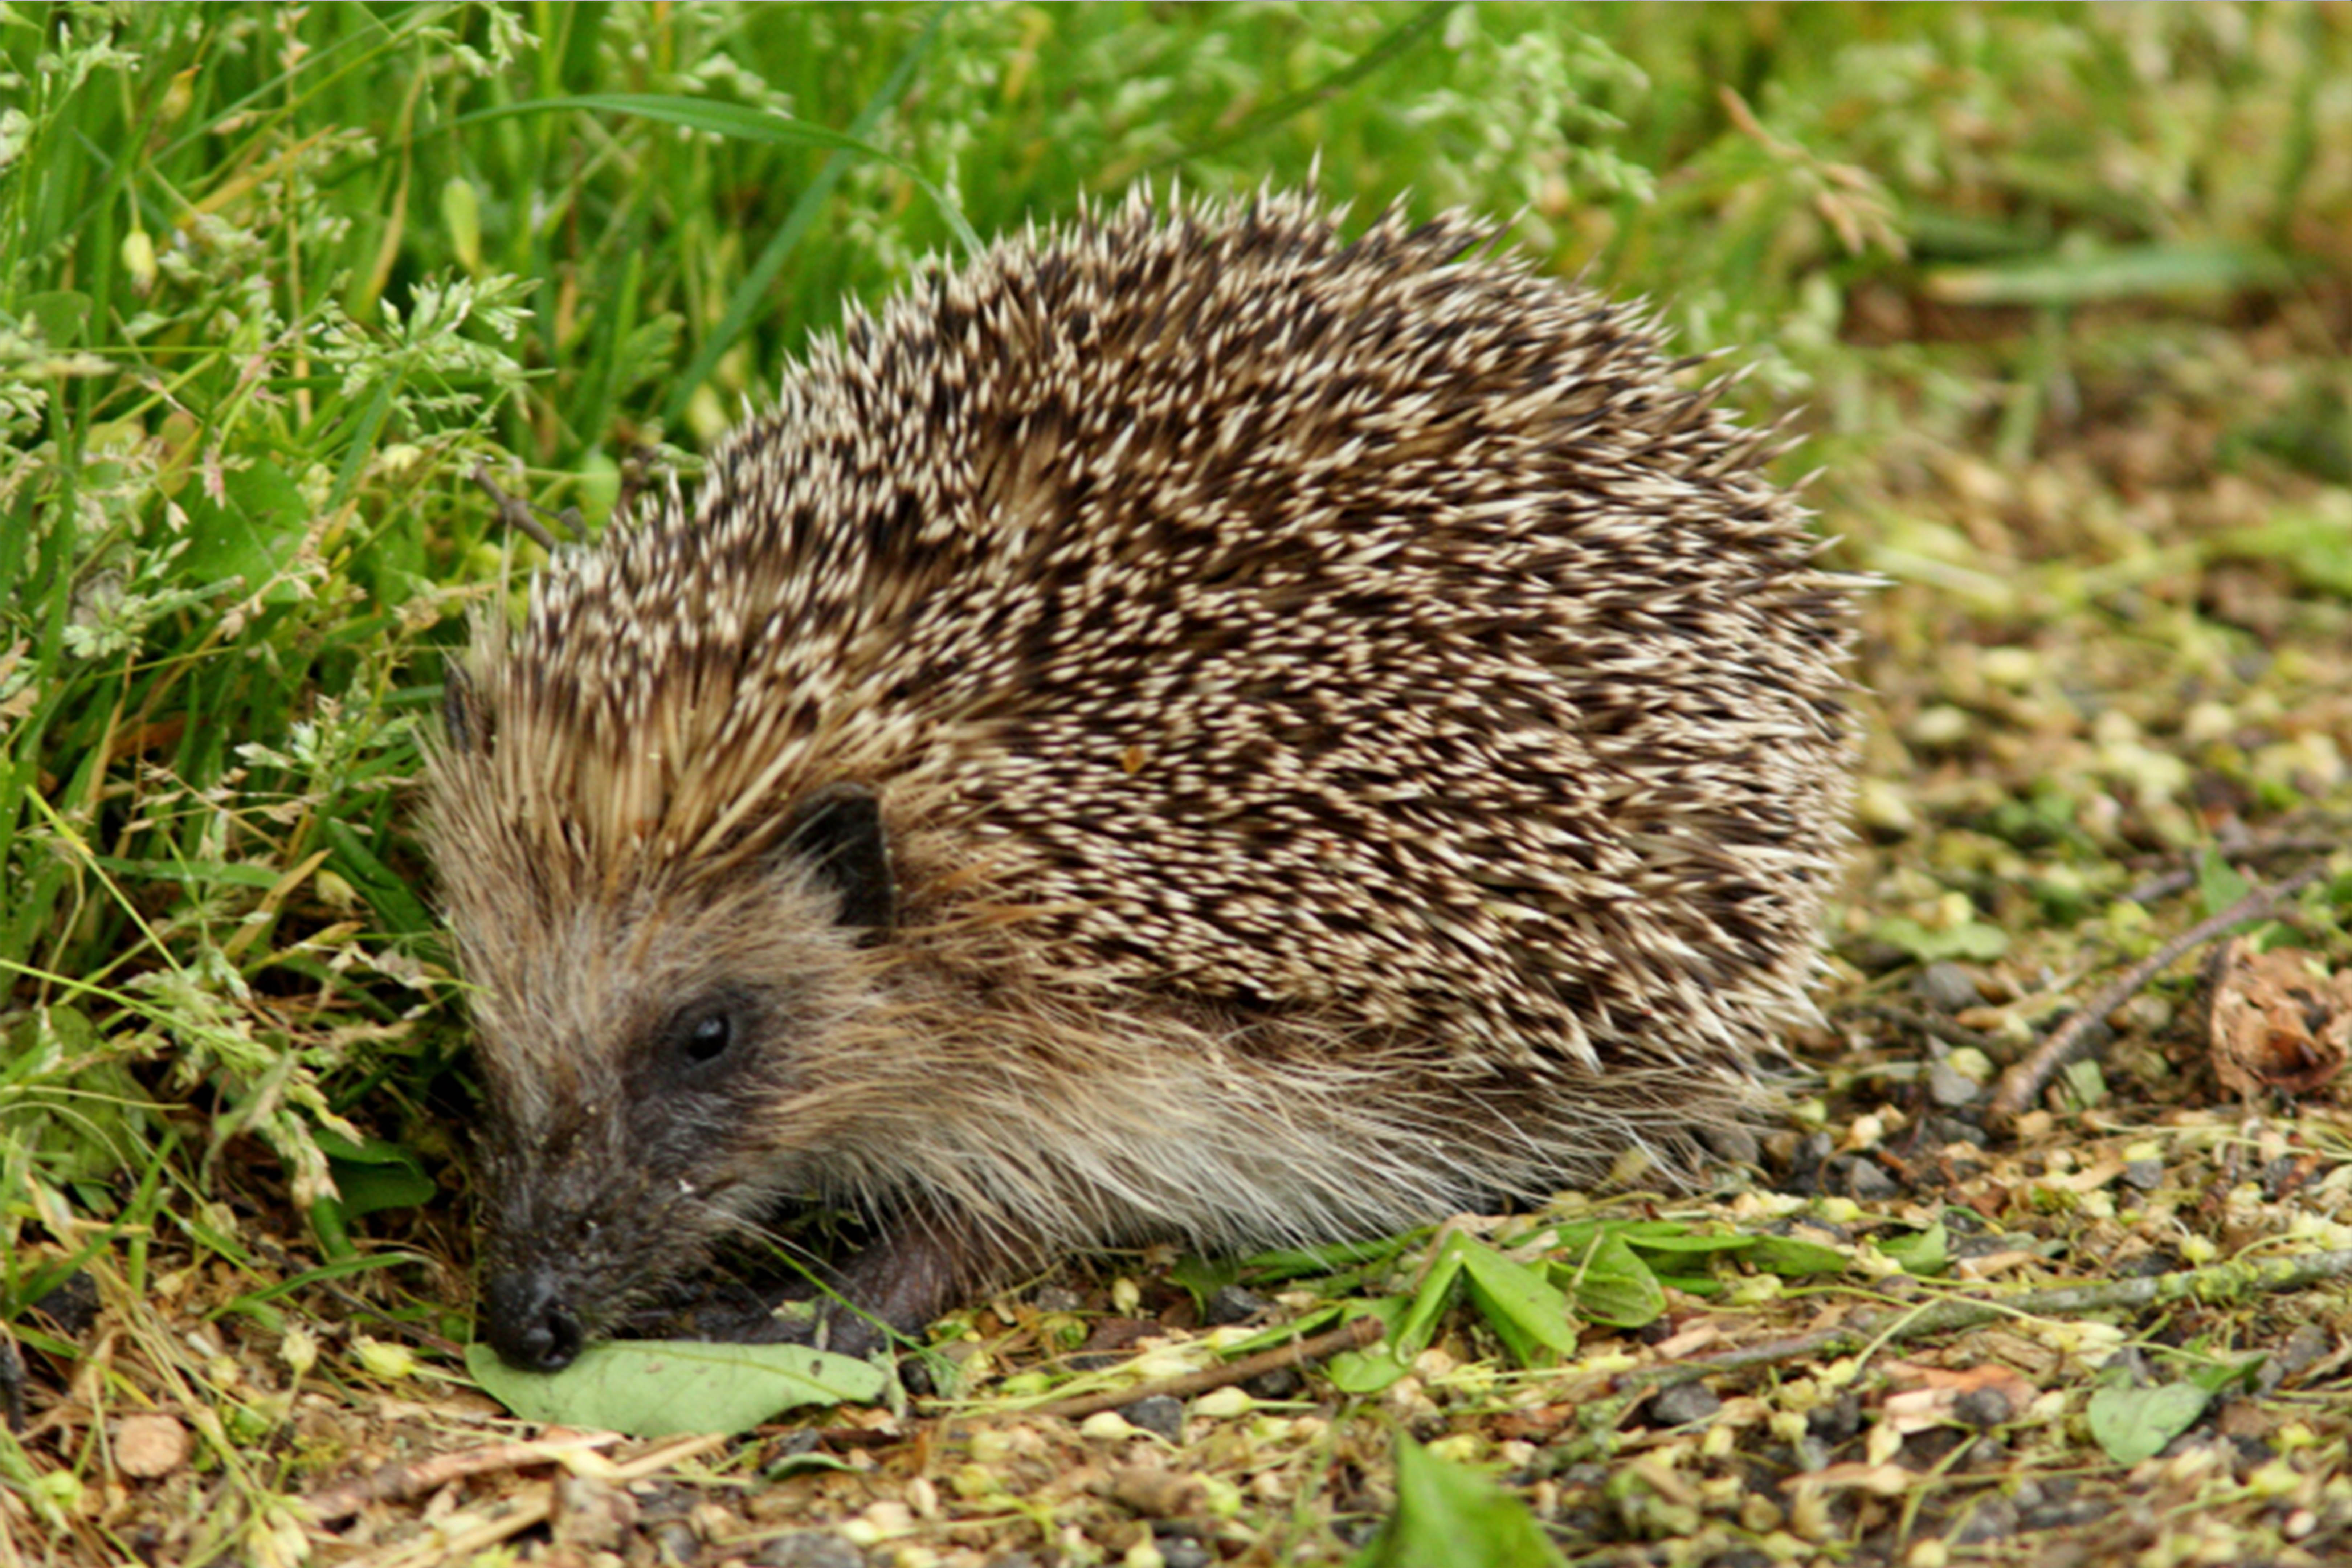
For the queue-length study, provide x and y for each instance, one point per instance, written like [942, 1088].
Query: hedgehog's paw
[893, 1287]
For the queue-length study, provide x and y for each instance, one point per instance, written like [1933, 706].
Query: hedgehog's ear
[837, 832]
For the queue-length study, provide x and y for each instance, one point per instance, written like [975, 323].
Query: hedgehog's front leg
[898, 1284]
[902, 1283]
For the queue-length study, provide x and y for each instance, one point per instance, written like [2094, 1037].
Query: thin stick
[2248, 853]
[521, 516]
[1943, 1030]
[2220, 1282]
[531, 1505]
[393, 1483]
[1351, 1335]
[2023, 1082]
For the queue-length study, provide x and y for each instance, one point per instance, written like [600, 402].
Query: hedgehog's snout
[526, 1320]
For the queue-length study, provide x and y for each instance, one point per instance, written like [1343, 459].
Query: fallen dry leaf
[2274, 1025]
[1931, 1393]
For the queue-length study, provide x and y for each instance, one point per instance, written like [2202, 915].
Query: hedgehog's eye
[708, 1036]
[703, 1037]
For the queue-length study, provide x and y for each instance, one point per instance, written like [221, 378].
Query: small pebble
[1282, 1382]
[2063, 1515]
[809, 1549]
[1994, 1518]
[1982, 1407]
[149, 1446]
[2283, 1176]
[2251, 1452]
[1837, 1421]
[1683, 1404]
[2305, 1347]
[1947, 1087]
[1946, 985]
[1233, 1304]
[675, 1541]
[1159, 1414]
[1183, 1552]
[1948, 1130]
[1865, 1182]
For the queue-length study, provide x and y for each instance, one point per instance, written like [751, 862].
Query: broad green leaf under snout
[654, 1388]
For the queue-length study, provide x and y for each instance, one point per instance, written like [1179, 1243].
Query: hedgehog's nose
[526, 1322]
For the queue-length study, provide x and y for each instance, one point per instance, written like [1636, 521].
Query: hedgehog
[1191, 729]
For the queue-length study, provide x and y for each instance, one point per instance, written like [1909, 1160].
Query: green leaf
[1922, 1252]
[251, 538]
[375, 1174]
[2219, 885]
[1370, 1370]
[257, 1303]
[1409, 1336]
[369, 1176]
[58, 315]
[1364, 1372]
[1792, 1258]
[1611, 1284]
[2086, 1082]
[1671, 1236]
[1304, 1263]
[2135, 1423]
[2217, 1377]
[1449, 1517]
[1519, 1304]
[403, 913]
[651, 1388]
[1972, 940]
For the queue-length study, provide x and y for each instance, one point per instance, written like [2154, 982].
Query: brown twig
[2023, 1082]
[531, 1505]
[1928, 1024]
[393, 1483]
[521, 516]
[2249, 852]
[1352, 1335]
[2220, 1282]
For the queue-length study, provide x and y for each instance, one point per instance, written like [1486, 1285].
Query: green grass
[274, 283]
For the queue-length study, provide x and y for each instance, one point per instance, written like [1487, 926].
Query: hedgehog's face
[658, 1070]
